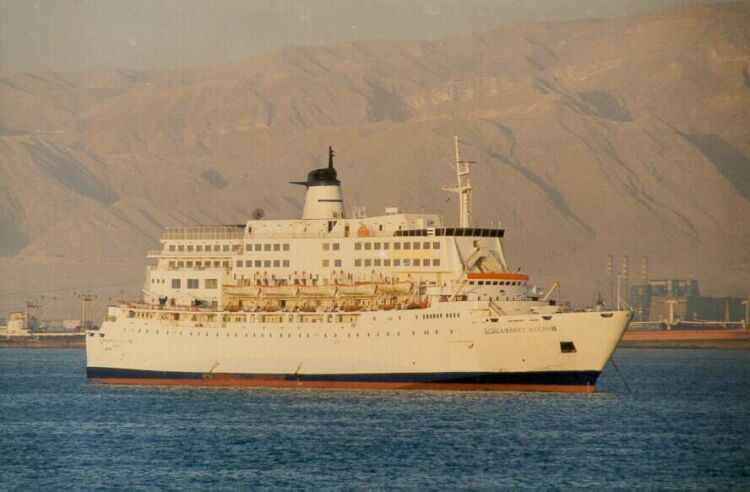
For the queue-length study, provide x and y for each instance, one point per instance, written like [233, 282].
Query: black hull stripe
[573, 378]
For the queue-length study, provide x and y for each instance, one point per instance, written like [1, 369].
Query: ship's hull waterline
[558, 382]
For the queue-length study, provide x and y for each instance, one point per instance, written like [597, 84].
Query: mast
[463, 188]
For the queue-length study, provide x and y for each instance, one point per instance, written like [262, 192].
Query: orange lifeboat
[363, 231]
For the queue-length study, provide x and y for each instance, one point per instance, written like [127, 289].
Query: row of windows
[262, 263]
[194, 283]
[440, 315]
[397, 262]
[397, 245]
[267, 247]
[368, 245]
[199, 264]
[207, 247]
[494, 282]
[299, 334]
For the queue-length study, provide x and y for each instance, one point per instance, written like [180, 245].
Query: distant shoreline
[70, 341]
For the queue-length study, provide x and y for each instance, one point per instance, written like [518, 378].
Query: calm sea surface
[684, 423]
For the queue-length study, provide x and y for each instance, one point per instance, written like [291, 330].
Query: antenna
[331, 154]
[463, 188]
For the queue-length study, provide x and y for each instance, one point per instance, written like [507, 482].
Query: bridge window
[192, 283]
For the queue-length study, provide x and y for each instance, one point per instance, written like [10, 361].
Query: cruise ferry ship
[329, 300]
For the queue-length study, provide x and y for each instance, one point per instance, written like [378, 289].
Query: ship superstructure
[396, 300]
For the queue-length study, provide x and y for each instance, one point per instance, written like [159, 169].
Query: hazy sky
[74, 35]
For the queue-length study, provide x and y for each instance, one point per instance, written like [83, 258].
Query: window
[181, 247]
[368, 245]
[396, 245]
[267, 263]
[425, 245]
[376, 246]
[376, 262]
[357, 246]
[436, 262]
[199, 247]
[396, 262]
[225, 247]
[266, 247]
[286, 247]
[436, 245]
[276, 263]
[357, 262]
[192, 283]
[407, 245]
[286, 263]
[180, 264]
[217, 247]
[368, 262]
[217, 264]
[417, 245]
[416, 262]
[249, 263]
[277, 247]
[337, 263]
[239, 263]
[326, 246]
[326, 263]
[386, 245]
[236, 247]
[407, 262]
[257, 246]
[258, 263]
[335, 246]
[225, 263]
[172, 264]
[176, 283]
[189, 264]
[171, 247]
[387, 263]
[212, 283]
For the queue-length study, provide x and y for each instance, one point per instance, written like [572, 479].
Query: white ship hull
[458, 346]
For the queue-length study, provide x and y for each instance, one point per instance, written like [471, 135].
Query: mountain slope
[626, 136]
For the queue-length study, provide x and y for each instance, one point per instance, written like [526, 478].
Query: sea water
[662, 419]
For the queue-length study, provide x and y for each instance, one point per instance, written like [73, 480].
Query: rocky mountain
[627, 136]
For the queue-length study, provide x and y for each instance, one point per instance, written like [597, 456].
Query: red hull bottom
[225, 382]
